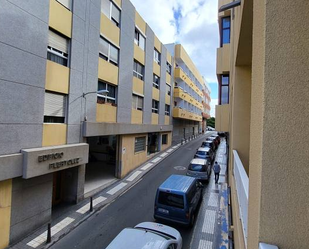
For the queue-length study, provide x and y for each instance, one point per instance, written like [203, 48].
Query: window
[155, 106]
[224, 91]
[167, 110]
[138, 70]
[57, 48]
[137, 102]
[111, 11]
[156, 81]
[226, 28]
[168, 68]
[110, 96]
[139, 39]
[157, 56]
[65, 3]
[54, 108]
[164, 139]
[108, 52]
[168, 89]
[140, 144]
[169, 199]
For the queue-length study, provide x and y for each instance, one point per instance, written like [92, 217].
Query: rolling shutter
[140, 144]
[58, 42]
[55, 105]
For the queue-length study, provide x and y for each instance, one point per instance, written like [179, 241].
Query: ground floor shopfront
[183, 129]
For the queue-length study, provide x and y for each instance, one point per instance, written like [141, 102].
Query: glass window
[164, 139]
[57, 48]
[138, 70]
[155, 106]
[137, 102]
[170, 199]
[167, 110]
[156, 81]
[224, 95]
[54, 107]
[109, 96]
[225, 80]
[168, 68]
[109, 9]
[105, 7]
[115, 15]
[168, 89]
[108, 52]
[157, 56]
[226, 27]
[139, 39]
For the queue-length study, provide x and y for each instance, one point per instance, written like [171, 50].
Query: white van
[148, 235]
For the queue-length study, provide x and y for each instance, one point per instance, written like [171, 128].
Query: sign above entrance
[47, 160]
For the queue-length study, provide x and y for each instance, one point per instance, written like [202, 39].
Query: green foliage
[211, 122]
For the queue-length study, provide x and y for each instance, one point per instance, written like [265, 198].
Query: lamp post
[101, 92]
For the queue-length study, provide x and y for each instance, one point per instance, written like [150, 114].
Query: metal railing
[242, 190]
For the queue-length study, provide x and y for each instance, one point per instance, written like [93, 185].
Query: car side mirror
[201, 185]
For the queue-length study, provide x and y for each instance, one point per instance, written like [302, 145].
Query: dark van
[177, 199]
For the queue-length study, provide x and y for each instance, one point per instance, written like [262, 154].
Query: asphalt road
[134, 206]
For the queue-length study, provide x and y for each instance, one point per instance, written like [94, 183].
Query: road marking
[147, 166]
[205, 244]
[86, 207]
[175, 147]
[209, 222]
[164, 154]
[213, 200]
[117, 188]
[180, 168]
[156, 160]
[54, 230]
[170, 150]
[134, 175]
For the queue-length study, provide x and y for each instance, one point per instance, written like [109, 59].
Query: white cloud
[197, 28]
[213, 104]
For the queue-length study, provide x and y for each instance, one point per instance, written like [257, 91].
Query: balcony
[179, 93]
[183, 114]
[180, 74]
[223, 59]
[242, 191]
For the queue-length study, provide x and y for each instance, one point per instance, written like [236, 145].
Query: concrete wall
[148, 76]
[279, 182]
[178, 129]
[162, 86]
[31, 205]
[169, 141]
[126, 63]
[23, 49]
[222, 118]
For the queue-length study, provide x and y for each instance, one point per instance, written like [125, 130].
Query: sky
[193, 23]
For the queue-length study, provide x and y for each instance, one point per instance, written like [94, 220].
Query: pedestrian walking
[217, 170]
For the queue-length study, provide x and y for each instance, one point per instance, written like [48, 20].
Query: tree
[211, 122]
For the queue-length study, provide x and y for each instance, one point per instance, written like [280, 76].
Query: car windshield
[172, 200]
[201, 153]
[206, 144]
[197, 167]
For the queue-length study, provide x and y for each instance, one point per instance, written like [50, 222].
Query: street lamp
[101, 92]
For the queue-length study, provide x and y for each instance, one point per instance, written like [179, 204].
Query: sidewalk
[81, 212]
[211, 228]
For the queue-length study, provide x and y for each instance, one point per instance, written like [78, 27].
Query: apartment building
[86, 94]
[206, 105]
[262, 68]
[188, 95]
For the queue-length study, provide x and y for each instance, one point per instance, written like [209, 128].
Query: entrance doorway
[101, 169]
[153, 142]
[58, 187]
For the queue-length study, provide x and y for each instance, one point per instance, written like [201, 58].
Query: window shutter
[66, 3]
[140, 103]
[140, 144]
[58, 42]
[54, 105]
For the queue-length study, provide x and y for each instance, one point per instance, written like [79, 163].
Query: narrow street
[134, 206]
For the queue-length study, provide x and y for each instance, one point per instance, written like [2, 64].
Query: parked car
[199, 169]
[177, 199]
[205, 153]
[214, 140]
[210, 144]
[148, 235]
[217, 137]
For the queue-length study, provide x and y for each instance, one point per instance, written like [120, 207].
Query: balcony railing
[242, 189]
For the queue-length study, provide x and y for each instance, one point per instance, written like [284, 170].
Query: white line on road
[169, 151]
[205, 244]
[209, 222]
[174, 147]
[86, 207]
[213, 200]
[147, 166]
[156, 160]
[55, 229]
[117, 188]
[164, 154]
[134, 175]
